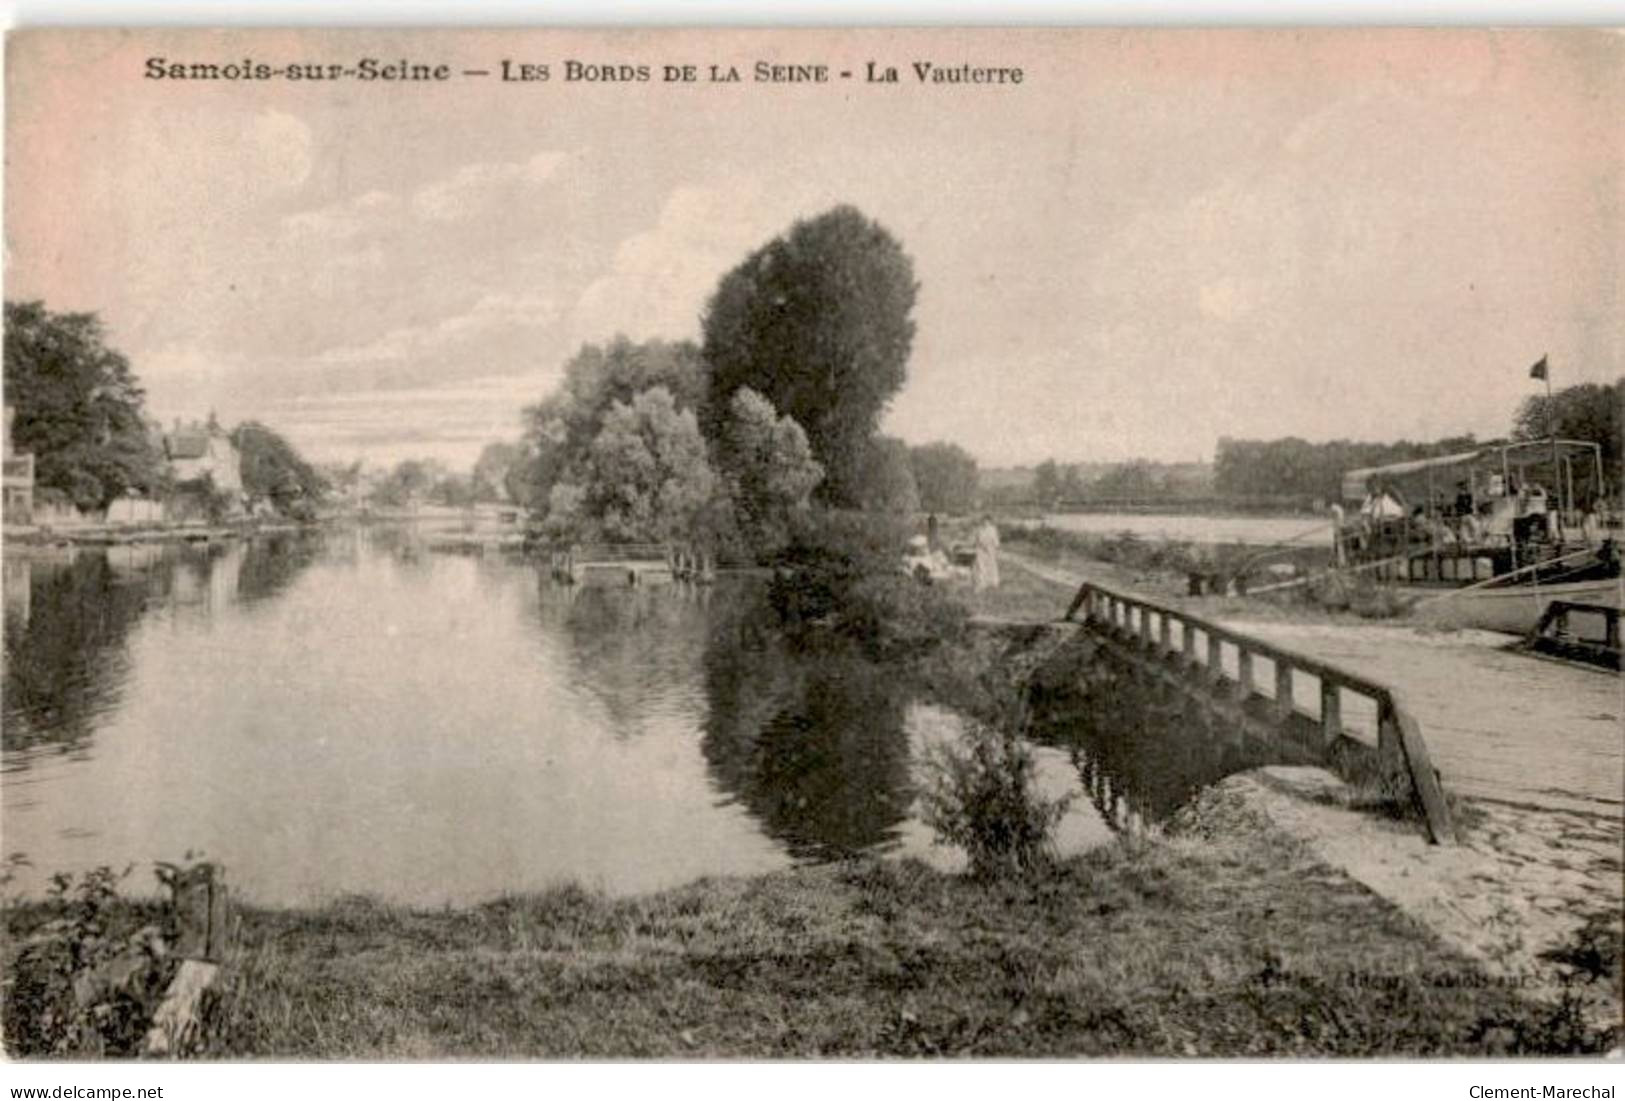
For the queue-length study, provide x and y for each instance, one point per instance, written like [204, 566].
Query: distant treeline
[1297, 468]
[1292, 473]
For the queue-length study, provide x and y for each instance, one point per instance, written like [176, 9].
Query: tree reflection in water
[66, 637]
[812, 745]
[1141, 749]
[636, 650]
[66, 660]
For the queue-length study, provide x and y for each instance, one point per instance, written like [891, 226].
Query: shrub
[842, 573]
[982, 797]
[88, 979]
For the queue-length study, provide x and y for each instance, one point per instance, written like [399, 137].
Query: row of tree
[1294, 468]
[1589, 412]
[1138, 479]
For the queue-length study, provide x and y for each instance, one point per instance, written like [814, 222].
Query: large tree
[273, 470]
[818, 322]
[946, 476]
[79, 407]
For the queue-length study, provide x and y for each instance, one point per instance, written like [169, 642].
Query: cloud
[660, 279]
[496, 313]
[474, 187]
[345, 220]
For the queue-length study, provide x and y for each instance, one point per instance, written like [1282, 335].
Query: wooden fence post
[1244, 673]
[203, 919]
[1331, 712]
[1283, 690]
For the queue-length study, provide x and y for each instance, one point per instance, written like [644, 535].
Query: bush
[842, 574]
[981, 796]
[88, 979]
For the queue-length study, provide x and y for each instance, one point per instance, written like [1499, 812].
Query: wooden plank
[1424, 779]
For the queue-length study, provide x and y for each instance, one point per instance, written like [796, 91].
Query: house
[199, 452]
[207, 470]
[18, 503]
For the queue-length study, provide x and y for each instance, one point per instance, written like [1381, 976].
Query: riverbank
[32, 540]
[1211, 942]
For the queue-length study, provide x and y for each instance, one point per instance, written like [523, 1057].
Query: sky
[1157, 239]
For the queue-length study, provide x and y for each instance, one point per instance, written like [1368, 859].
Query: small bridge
[1220, 670]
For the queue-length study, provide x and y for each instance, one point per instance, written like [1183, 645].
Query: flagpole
[1551, 430]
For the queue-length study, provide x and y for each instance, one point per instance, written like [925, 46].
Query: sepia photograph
[828, 544]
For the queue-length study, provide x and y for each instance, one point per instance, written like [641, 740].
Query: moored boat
[1487, 538]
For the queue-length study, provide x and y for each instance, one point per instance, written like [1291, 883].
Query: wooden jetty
[1220, 669]
[629, 564]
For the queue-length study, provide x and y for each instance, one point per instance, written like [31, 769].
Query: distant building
[207, 470]
[18, 502]
[204, 451]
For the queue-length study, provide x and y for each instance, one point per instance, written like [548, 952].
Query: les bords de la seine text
[570, 71]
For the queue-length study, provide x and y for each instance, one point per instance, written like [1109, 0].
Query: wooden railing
[1197, 648]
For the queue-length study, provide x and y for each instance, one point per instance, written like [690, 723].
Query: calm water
[345, 712]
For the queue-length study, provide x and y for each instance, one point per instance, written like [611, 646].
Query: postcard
[689, 544]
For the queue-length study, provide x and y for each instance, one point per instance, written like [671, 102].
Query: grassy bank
[1228, 941]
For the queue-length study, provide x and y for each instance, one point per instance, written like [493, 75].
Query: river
[345, 712]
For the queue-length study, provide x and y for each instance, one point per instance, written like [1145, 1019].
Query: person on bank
[985, 574]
